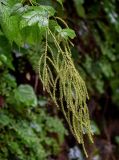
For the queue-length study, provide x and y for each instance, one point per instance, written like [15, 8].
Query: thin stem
[62, 21]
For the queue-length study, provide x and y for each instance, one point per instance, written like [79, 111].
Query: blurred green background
[28, 132]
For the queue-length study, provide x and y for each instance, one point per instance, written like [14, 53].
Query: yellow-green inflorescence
[71, 87]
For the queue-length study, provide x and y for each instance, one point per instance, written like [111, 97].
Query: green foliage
[7, 84]
[98, 33]
[47, 48]
[27, 131]
[24, 96]
[30, 137]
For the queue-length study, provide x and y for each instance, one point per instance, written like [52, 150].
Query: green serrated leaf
[24, 95]
[10, 25]
[65, 33]
[32, 34]
[50, 10]
[31, 18]
[39, 15]
[19, 9]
